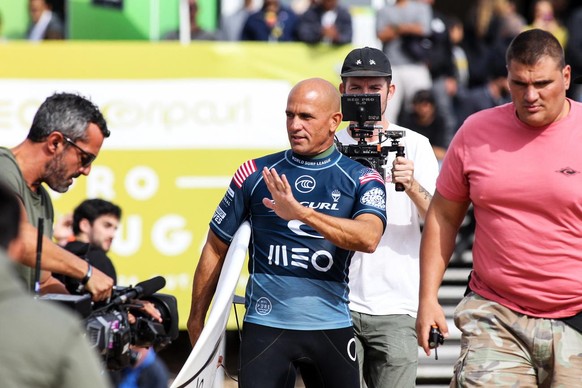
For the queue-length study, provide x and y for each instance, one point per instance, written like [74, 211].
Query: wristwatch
[87, 276]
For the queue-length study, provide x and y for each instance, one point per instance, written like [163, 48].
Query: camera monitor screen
[361, 107]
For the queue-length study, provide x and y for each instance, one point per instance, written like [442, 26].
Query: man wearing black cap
[384, 284]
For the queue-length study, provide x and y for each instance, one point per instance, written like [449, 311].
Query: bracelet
[87, 276]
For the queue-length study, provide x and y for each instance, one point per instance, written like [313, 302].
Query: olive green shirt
[42, 345]
[37, 205]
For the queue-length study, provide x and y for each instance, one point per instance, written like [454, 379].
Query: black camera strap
[39, 237]
[574, 322]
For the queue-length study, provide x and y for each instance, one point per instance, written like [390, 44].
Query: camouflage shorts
[502, 348]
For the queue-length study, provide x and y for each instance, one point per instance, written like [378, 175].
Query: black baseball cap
[366, 62]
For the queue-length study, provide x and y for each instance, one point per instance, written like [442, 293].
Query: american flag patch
[243, 172]
[371, 175]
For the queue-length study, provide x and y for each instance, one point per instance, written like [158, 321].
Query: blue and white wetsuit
[298, 280]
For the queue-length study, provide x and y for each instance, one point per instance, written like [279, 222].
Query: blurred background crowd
[447, 55]
[448, 58]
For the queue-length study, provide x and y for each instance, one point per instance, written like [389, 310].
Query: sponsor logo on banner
[172, 117]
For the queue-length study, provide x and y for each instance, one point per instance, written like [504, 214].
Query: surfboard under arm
[201, 367]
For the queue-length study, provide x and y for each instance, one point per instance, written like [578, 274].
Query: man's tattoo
[422, 190]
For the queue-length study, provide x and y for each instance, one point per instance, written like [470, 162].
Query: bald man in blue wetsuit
[310, 208]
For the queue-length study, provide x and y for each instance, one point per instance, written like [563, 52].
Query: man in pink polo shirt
[520, 165]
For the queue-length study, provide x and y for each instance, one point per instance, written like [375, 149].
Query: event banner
[182, 119]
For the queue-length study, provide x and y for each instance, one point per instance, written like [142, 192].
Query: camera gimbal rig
[363, 108]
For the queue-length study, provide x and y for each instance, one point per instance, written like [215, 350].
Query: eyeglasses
[86, 157]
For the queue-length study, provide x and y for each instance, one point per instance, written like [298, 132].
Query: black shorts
[270, 358]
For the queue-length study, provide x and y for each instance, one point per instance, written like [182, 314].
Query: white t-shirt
[386, 282]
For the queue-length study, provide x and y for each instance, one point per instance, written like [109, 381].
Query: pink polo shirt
[526, 188]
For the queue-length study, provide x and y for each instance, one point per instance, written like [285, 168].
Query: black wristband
[87, 276]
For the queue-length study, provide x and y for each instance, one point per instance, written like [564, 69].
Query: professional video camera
[361, 109]
[107, 323]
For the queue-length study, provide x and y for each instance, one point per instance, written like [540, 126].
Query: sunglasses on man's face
[86, 157]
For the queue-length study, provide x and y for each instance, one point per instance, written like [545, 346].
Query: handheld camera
[108, 327]
[435, 338]
[362, 109]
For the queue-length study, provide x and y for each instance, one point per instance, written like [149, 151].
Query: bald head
[320, 91]
[313, 115]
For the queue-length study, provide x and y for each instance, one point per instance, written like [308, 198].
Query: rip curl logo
[263, 306]
[568, 171]
[375, 197]
[305, 184]
[296, 227]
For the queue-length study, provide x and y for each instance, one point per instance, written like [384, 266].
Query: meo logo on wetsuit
[321, 260]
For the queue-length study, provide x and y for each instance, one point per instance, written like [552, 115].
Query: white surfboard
[201, 367]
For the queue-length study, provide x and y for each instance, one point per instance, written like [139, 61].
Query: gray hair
[69, 114]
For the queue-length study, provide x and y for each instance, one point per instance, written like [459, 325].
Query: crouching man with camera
[95, 222]
[384, 284]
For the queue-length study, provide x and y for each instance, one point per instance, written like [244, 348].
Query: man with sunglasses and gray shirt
[65, 138]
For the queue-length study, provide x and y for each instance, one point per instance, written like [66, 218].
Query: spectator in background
[477, 40]
[507, 22]
[94, 224]
[231, 25]
[574, 50]
[442, 71]
[274, 22]
[325, 21]
[2, 38]
[63, 230]
[196, 32]
[44, 23]
[149, 371]
[495, 92]
[457, 34]
[402, 28]
[490, 26]
[544, 18]
[426, 119]
[42, 344]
